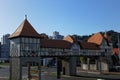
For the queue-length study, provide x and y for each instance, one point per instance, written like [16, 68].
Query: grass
[85, 76]
[5, 64]
[53, 74]
[76, 76]
[34, 71]
[111, 73]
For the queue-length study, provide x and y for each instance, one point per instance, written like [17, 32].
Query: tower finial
[25, 16]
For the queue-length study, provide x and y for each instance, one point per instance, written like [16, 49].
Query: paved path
[4, 73]
[97, 75]
[47, 77]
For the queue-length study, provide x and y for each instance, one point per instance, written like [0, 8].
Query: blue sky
[82, 17]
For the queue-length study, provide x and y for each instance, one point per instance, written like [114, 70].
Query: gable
[96, 38]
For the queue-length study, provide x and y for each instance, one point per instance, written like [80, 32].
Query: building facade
[5, 46]
[115, 57]
[52, 61]
[0, 49]
[26, 45]
[103, 61]
[57, 36]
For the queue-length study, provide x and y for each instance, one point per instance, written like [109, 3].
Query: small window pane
[26, 40]
[34, 40]
[31, 40]
[22, 40]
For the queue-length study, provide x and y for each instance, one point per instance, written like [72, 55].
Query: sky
[68, 17]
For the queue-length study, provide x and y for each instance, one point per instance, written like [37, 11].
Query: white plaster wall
[93, 67]
[84, 66]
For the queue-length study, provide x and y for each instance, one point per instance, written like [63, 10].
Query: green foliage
[114, 37]
[83, 59]
[5, 64]
[81, 38]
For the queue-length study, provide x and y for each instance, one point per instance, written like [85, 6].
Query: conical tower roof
[25, 30]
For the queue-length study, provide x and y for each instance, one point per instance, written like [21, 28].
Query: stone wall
[15, 69]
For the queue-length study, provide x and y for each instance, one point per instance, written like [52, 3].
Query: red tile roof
[89, 46]
[115, 51]
[69, 39]
[25, 30]
[48, 43]
[98, 38]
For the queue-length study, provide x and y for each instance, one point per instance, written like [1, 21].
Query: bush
[83, 59]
